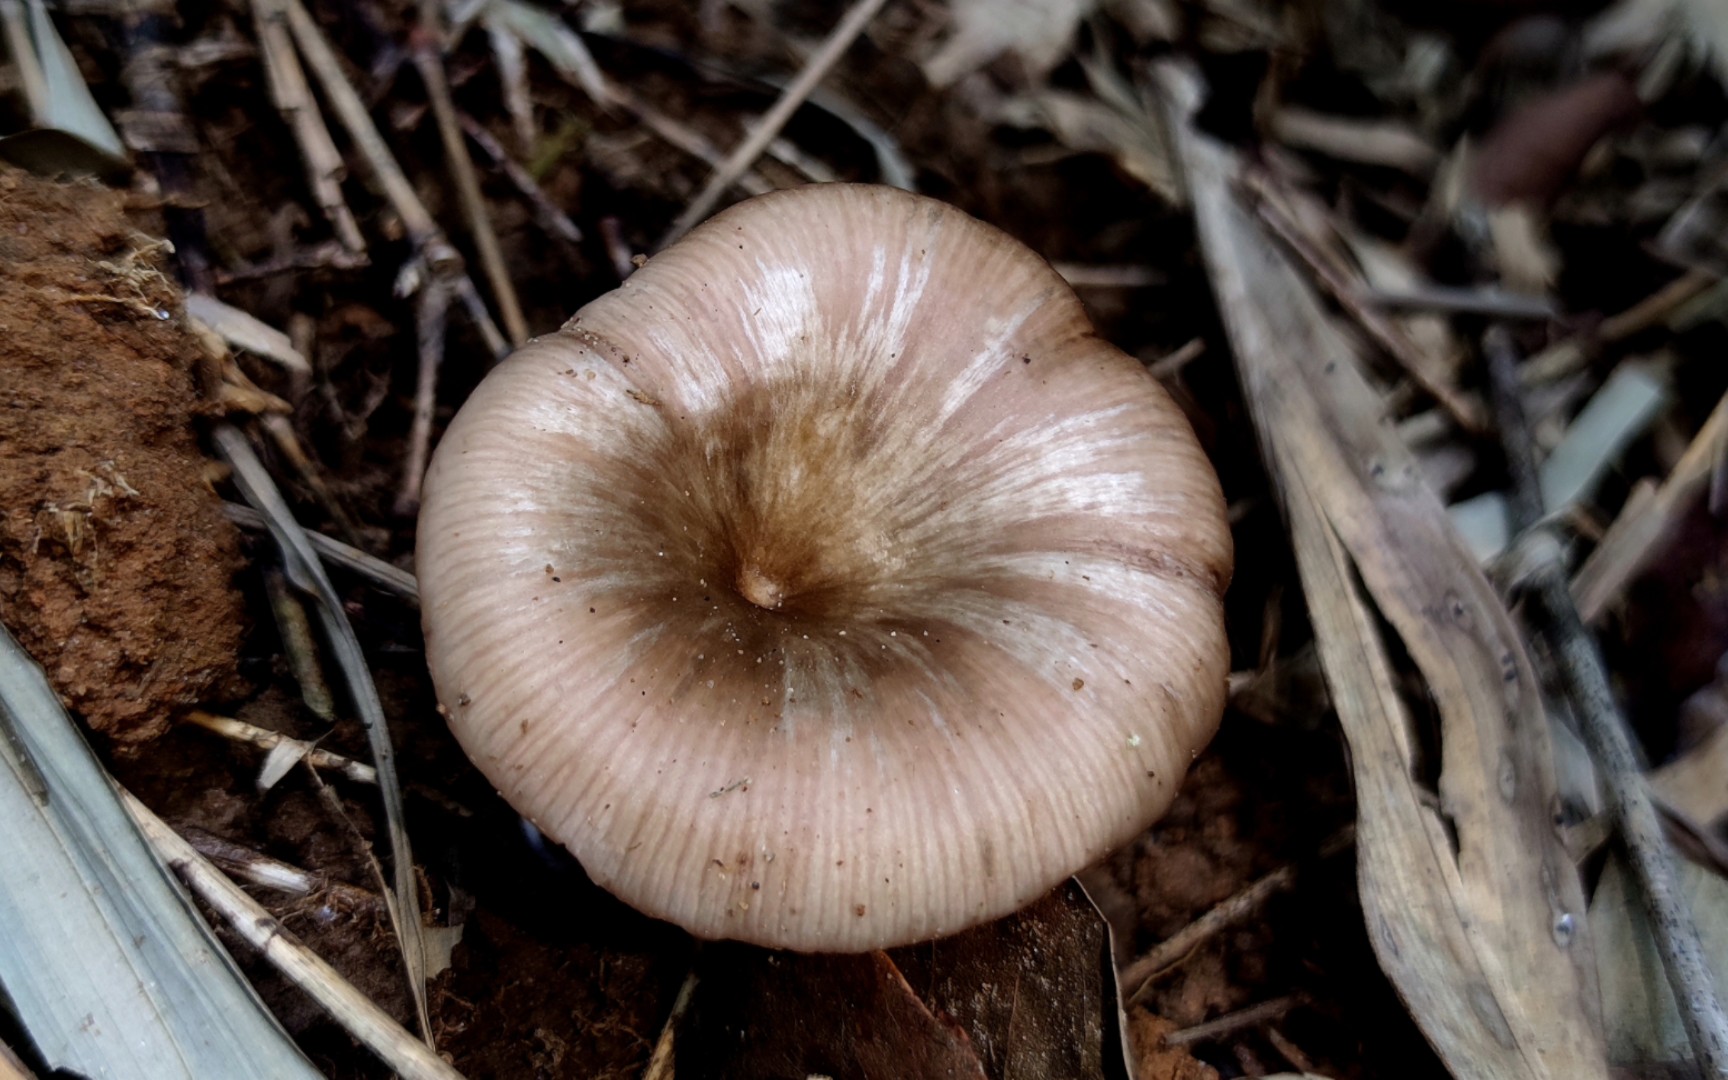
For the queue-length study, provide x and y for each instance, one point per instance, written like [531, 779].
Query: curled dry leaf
[1471, 902]
[1533, 152]
[1035, 992]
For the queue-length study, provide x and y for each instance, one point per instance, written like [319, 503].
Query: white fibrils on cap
[829, 585]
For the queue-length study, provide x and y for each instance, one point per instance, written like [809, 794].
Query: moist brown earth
[116, 563]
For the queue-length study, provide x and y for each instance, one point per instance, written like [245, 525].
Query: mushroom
[829, 585]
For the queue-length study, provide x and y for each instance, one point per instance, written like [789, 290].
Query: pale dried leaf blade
[1701, 24]
[1037, 31]
[101, 957]
[1625, 406]
[1485, 944]
[1640, 529]
[302, 567]
[56, 95]
[280, 761]
[1084, 124]
[551, 38]
[441, 942]
[242, 330]
[1616, 414]
[1644, 1028]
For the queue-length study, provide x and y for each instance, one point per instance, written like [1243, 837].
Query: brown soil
[1155, 1061]
[115, 560]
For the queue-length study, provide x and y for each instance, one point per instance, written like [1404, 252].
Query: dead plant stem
[293, 99]
[551, 218]
[307, 574]
[827, 55]
[1427, 370]
[429, 61]
[265, 739]
[1604, 730]
[255, 925]
[1230, 1023]
[431, 319]
[302, 649]
[428, 239]
[1137, 977]
[1565, 357]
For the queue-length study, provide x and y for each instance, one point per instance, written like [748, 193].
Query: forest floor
[1432, 175]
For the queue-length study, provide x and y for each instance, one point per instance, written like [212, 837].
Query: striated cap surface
[829, 585]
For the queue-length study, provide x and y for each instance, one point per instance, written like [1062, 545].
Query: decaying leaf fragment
[1472, 906]
[1031, 995]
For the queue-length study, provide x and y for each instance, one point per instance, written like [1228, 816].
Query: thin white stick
[265, 739]
[356, 1012]
[844, 34]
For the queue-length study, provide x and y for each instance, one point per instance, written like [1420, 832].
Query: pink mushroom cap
[830, 585]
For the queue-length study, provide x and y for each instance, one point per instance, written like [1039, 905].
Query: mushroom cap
[829, 585]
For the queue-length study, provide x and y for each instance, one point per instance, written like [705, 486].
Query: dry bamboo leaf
[103, 961]
[1646, 522]
[1643, 1027]
[304, 570]
[1388, 268]
[1615, 415]
[1387, 143]
[69, 132]
[1084, 124]
[1695, 784]
[1037, 31]
[1471, 902]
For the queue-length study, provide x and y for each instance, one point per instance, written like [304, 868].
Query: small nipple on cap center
[760, 589]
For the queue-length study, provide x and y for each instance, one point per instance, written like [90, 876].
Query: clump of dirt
[115, 559]
[1154, 1060]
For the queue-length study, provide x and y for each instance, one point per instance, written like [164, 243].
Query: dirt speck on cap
[115, 559]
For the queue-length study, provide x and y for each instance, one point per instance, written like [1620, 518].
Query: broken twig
[1604, 729]
[265, 739]
[249, 919]
[845, 33]
[431, 318]
[1230, 1023]
[429, 62]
